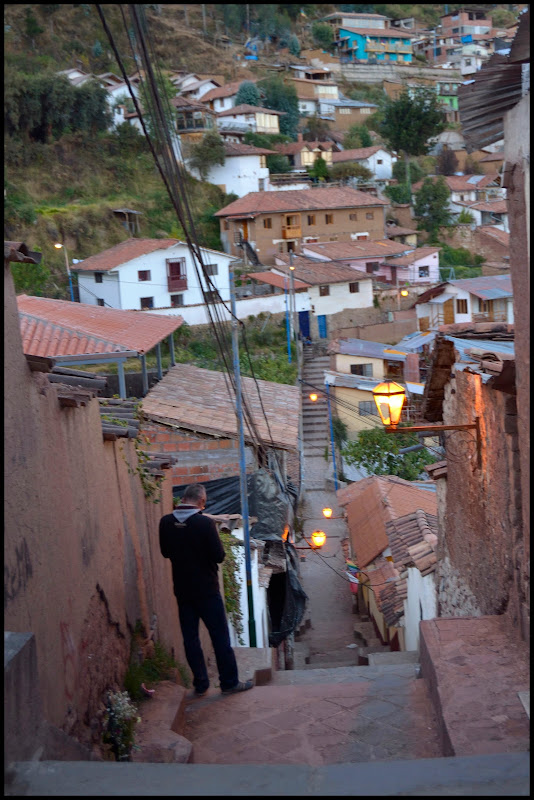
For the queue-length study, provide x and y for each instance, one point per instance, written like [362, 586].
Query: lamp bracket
[434, 430]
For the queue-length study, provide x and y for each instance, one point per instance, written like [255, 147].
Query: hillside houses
[375, 158]
[280, 222]
[485, 299]
[244, 169]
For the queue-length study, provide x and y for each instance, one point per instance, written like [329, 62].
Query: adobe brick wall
[200, 457]
[476, 241]
[478, 555]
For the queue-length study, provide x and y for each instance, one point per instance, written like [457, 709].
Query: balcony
[176, 284]
[490, 316]
[291, 232]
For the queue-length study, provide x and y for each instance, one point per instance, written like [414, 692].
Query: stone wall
[81, 547]
[376, 73]
[475, 240]
[479, 551]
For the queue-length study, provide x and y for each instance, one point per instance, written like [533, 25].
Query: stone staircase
[315, 424]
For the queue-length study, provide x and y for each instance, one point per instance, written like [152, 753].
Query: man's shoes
[242, 686]
[200, 692]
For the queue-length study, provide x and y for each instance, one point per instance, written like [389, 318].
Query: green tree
[432, 206]
[294, 45]
[278, 164]
[207, 153]
[465, 217]
[315, 129]
[319, 170]
[33, 28]
[357, 136]
[417, 172]
[378, 453]
[282, 97]
[350, 169]
[447, 162]
[410, 121]
[234, 16]
[323, 35]
[399, 194]
[247, 94]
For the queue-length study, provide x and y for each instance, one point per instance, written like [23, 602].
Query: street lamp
[58, 246]
[389, 398]
[318, 538]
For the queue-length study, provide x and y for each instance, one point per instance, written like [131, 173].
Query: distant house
[392, 539]
[244, 170]
[485, 299]
[149, 273]
[303, 154]
[469, 188]
[374, 258]
[243, 118]
[332, 289]
[223, 97]
[401, 235]
[376, 159]
[279, 222]
[193, 121]
[195, 90]
[357, 366]
[312, 94]
[368, 44]
[420, 266]
[492, 212]
[345, 113]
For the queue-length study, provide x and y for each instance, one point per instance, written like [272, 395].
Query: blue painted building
[368, 45]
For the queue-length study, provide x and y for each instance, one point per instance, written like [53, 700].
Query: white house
[223, 97]
[469, 188]
[249, 118]
[195, 90]
[244, 170]
[491, 212]
[378, 160]
[150, 274]
[488, 298]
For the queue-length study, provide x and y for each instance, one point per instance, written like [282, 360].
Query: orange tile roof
[460, 183]
[374, 501]
[59, 327]
[239, 149]
[362, 249]
[227, 90]
[299, 200]
[415, 255]
[121, 253]
[276, 280]
[495, 206]
[317, 273]
[495, 233]
[356, 154]
[397, 230]
[198, 399]
[499, 156]
[246, 108]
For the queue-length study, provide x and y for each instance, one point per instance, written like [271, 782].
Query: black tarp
[273, 502]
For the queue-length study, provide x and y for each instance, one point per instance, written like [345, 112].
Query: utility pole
[204, 18]
[332, 440]
[242, 467]
[288, 326]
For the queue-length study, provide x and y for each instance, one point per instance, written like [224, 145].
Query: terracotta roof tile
[227, 90]
[239, 149]
[356, 154]
[371, 503]
[59, 327]
[276, 280]
[459, 183]
[415, 255]
[316, 273]
[499, 156]
[198, 399]
[121, 253]
[493, 206]
[495, 233]
[397, 230]
[363, 249]
[299, 200]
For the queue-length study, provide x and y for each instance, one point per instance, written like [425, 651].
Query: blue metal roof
[488, 287]
[359, 347]
[414, 342]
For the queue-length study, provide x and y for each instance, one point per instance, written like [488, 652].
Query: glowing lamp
[389, 398]
[313, 397]
[318, 538]
[327, 512]
[58, 245]
[404, 292]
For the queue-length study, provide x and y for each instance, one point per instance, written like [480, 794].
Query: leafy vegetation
[247, 94]
[281, 96]
[231, 583]
[357, 136]
[432, 206]
[207, 153]
[447, 163]
[323, 34]
[315, 129]
[345, 171]
[378, 452]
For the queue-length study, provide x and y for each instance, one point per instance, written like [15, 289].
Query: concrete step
[394, 657]
[343, 674]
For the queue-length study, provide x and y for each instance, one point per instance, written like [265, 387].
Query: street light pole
[59, 246]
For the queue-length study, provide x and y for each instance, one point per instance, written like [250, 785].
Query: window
[143, 275]
[424, 272]
[366, 370]
[365, 110]
[311, 219]
[324, 291]
[379, 160]
[353, 217]
[177, 300]
[147, 302]
[176, 269]
[100, 302]
[268, 223]
[261, 184]
[367, 408]
[467, 62]
[372, 266]
[461, 306]
[226, 225]
[212, 269]
[329, 219]
[98, 277]
[362, 237]
[344, 110]
[354, 287]
[369, 215]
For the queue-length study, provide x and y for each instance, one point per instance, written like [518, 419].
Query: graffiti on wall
[17, 571]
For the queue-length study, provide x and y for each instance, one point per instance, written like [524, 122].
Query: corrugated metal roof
[487, 287]
[59, 327]
[414, 342]
[343, 379]
[360, 347]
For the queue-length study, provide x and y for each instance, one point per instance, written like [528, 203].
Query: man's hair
[193, 493]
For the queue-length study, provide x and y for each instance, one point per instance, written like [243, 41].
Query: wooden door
[448, 312]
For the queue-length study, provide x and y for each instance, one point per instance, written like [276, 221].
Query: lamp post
[58, 246]
[389, 398]
[318, 538]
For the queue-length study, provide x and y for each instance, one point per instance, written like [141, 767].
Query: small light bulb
[313, 397]
[327, 512]
[58, 245]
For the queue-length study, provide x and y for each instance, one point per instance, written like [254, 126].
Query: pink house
[419, 266]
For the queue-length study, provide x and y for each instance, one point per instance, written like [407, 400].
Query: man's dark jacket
[192, 543]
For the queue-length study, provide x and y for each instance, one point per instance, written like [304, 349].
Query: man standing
[192, 543]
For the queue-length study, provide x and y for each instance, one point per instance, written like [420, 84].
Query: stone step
[346, 674]
[394, 657]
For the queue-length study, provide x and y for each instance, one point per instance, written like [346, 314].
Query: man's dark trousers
[209, 609]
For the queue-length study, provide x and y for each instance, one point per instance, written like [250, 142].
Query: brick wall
[200, 457]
